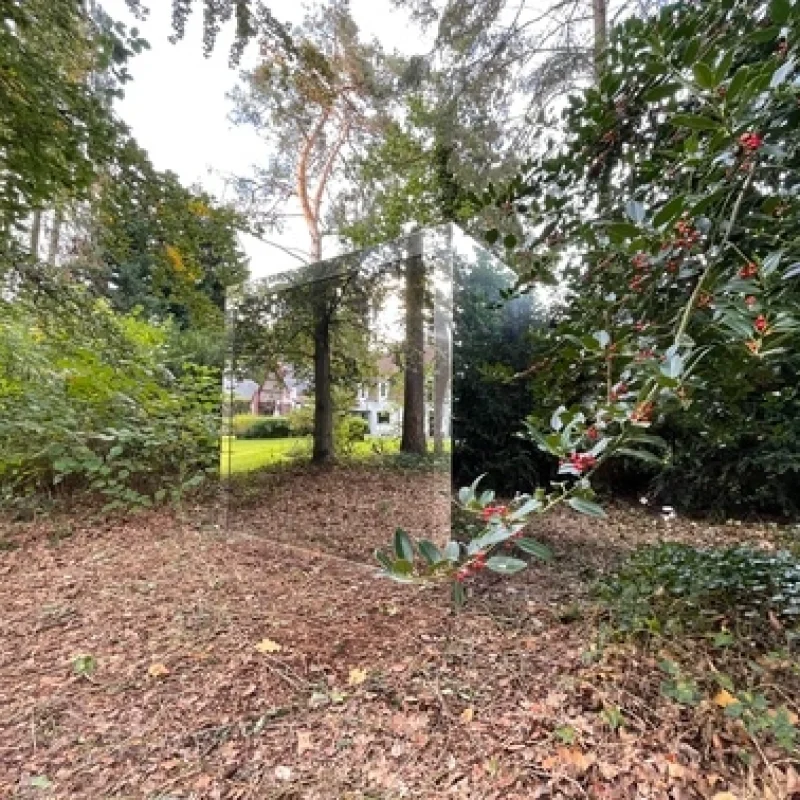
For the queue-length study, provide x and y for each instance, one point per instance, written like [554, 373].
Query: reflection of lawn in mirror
[252, 454]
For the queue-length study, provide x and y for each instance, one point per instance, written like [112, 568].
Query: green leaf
[452, 551]
[534, 548]
[429, 551]
[41, 782]
[770, 263]
[793, 271]
[669, 211]
[492, 236]
[641, 455]
[662, 92]
[619, 231]
[402, 545]
[505, 565]
[458, 594]
[383, 559]
[704, 75]
[527, 508]
[696, 122]
[723, 66]
[510, 241]
[779, 11]
[738, 83]
[583, 506]
[765, 35]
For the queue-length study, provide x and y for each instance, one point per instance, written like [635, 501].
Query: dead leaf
[724, 698]
[724, 796]
[157, 670]
[570, 757]
[357, 676]
[268, 646]
[303, 742]
[467, 714]
[283, 773]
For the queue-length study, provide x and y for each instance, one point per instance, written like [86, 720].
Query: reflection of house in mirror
[276, 396]
[380, 401]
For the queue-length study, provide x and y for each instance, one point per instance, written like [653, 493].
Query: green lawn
[251, 454]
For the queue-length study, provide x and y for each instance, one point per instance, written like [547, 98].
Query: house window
[383, 418]
[383, 390]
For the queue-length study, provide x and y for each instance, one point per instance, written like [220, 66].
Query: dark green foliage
[675, 588]
[495, 342]
[267, 428]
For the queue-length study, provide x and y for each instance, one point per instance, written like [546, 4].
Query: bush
[674, 588]
[301, 421]
[349, 431]
[266, 428]
[87, 406]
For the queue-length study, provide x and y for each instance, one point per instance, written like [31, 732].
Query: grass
[248, 455]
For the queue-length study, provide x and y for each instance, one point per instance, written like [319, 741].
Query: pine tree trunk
[323, 451]
[413, 438]
[36, 233]
[600, 14]
[55, 236]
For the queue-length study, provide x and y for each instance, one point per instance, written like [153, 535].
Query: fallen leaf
[157, 670]
[268, 646]
[724, 698]
[357, 676]
[724, 796]
[569, 757]
[467, 714]
[283, 773]
[303, 742]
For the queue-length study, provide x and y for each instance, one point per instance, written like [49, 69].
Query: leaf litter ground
[166, 657]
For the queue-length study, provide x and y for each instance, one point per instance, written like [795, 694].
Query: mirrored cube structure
[353, 391]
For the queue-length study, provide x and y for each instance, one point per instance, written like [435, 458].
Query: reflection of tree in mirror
[493, 343]
[338, 331]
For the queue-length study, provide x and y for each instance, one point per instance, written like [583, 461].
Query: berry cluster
[618, 391]
[750, 142]
[493, 511]
[687, 234]
[581, 461]
[748, 271]
[761, 323]
[471, 568]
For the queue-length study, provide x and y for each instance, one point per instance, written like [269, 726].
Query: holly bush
[668, 212]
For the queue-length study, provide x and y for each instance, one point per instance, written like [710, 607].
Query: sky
[177, 108]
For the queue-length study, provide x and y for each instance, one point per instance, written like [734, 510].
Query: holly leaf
[505, 565]
[584, 506]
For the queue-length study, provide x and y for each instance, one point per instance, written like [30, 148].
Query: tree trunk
[441, 382]
[55, 236]
[600, 14]
[36, 233]
[413, 439]
[323, 394]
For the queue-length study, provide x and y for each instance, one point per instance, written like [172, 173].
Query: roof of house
[243, 390]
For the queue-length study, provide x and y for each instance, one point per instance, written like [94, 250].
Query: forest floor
[163, 657]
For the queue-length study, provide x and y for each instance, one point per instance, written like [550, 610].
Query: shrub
[301, 421]
[672, 588]
[267, 428]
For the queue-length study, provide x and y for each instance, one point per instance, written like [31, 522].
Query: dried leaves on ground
[163, 657]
